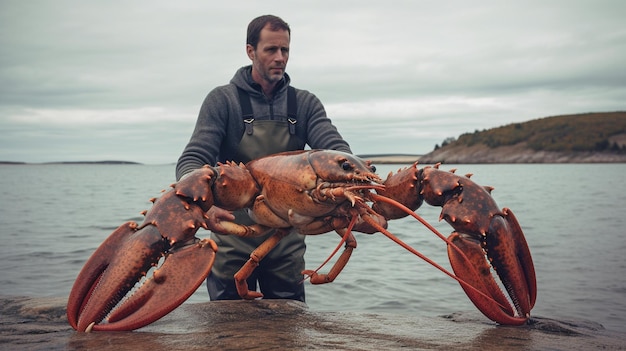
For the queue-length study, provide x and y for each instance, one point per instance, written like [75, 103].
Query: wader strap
[248, 116]
[246, 108]
[292, 109]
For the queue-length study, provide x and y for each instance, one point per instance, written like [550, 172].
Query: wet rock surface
[40, 324]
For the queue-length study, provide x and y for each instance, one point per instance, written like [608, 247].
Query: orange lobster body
[314, 192]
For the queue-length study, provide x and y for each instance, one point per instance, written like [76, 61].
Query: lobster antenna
[422, 220]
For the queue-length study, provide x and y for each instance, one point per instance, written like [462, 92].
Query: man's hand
[215, 216]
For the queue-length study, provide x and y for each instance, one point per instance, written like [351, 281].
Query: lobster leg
[343, 259]
[255, 257]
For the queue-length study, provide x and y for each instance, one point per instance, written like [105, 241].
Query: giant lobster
[314, 192]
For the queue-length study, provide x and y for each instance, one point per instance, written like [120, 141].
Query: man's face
[269, 60]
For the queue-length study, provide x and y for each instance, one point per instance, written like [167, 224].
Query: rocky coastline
[518, 153]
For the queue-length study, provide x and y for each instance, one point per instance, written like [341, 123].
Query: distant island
[95, 163]
[598, 137]
[112, 162]
[391, 158]
[581, 138]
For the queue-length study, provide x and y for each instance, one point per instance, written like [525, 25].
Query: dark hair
[257, 24]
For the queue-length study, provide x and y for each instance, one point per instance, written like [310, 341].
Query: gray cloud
[119, 80]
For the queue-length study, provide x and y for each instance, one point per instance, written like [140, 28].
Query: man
[226, 130]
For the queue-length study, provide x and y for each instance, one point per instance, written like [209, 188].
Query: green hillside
[595, 132]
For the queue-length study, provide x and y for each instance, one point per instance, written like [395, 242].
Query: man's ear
[250, 51]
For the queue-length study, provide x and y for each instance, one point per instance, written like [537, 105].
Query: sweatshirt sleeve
[321, 132]
[204, 145]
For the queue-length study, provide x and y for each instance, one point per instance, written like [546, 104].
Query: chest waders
[268, 136]
[279, 273]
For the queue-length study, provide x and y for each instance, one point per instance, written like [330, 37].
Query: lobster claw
[119, 263]
[508, 252]
[484, 237]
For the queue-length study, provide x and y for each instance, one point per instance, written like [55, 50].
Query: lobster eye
[346, 166]
[373, 168]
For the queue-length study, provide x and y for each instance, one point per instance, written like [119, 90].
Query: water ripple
[576, 238]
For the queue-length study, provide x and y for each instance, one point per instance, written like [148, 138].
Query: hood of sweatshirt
[243, 79]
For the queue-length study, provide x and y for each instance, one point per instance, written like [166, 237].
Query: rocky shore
[40, 324]
[518, 153]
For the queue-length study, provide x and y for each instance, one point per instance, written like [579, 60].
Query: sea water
[53, 216]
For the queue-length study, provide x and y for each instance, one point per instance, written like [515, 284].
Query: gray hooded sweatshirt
[220, 125]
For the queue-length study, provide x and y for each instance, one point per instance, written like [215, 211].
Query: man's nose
[280, 56]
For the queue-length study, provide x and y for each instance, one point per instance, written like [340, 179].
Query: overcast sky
[124, 80]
